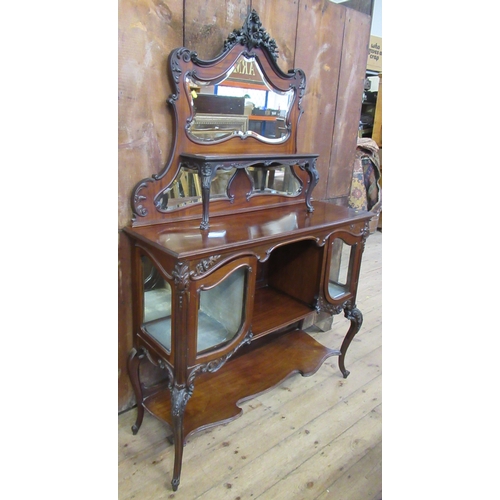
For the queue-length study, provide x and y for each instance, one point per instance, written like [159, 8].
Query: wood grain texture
[279, 18]
[309, 438]
[147, 31]
[184, 239]
[209, 22]
[319, 49]
[348, 111]
[267, 303]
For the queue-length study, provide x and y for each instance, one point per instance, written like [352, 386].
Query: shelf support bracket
[310, 168]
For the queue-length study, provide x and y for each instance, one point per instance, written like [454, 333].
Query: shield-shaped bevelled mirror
[240, 93]
[242, 103]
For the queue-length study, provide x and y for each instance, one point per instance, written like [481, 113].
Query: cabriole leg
[180, 397]
[179, 449]
[134, 360]
[310, 168]
[356, 319]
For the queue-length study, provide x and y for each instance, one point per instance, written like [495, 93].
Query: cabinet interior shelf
[216, 395]
[274, 310]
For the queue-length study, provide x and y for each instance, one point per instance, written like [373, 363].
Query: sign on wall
[374, 62]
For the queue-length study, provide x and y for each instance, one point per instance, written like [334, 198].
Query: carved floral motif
[181, 393]
[252, 34]
[204, 266]
[181, 276]
[322, 305]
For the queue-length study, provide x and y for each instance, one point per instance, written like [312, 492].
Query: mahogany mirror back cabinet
[229, 252]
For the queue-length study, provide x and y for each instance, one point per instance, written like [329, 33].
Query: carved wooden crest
[252, 34]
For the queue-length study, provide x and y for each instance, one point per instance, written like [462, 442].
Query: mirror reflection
[157, 314]
[186, 188]
[339, 278]
[275, 180]
[242, 103]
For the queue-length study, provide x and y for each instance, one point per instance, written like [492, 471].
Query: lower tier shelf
[216, 395]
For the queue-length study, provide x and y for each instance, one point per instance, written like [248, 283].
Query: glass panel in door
[157, 318]
[222, 311]
[340, 268]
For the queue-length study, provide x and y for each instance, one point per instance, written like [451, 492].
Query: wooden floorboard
[315, 437]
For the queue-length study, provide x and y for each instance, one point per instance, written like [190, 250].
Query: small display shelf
[207, 165]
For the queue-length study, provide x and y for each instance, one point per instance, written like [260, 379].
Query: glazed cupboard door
[343, 266]
[154, 293]
[157, 304]
[221, 311]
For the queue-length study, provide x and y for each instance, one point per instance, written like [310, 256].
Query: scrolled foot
[138, 421]
[175, 483]
[345, 373]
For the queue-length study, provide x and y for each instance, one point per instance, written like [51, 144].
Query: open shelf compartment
[216, 395]
[274, 310]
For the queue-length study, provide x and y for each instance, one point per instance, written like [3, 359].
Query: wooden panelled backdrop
[326, 40]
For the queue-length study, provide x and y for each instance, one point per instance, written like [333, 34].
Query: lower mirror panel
[278, 179]
[340, 268]
[157, 314]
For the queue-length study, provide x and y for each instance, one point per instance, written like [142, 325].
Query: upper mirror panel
[242, 103]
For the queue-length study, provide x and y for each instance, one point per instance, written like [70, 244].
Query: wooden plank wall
[328, 41]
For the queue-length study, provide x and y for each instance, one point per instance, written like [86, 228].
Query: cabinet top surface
[185, 239]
